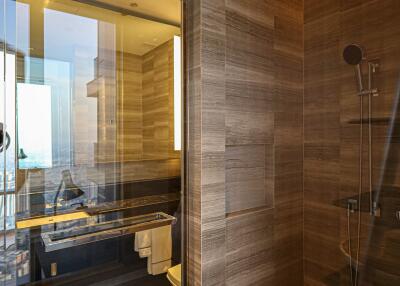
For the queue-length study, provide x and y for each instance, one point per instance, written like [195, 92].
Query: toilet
[174, 275]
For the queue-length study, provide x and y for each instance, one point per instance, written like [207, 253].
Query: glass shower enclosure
[90, 149]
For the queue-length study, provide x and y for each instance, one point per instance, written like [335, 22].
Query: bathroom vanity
[101, 236]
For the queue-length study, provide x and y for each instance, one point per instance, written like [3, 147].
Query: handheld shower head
[353, 54]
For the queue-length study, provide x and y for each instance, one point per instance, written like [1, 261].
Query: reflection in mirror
[96, 131]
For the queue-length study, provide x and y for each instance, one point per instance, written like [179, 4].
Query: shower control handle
[352, 205]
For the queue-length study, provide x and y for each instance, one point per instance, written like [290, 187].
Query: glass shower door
[65, 134]
[8, 56]
[89, 154]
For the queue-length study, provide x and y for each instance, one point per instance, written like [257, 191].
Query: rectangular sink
[50, 219]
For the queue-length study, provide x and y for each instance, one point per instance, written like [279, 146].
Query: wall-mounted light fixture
[177, 94]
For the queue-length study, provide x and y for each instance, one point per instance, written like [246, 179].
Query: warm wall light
[177, 94]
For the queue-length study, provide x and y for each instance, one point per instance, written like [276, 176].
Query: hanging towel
[161, 250]
[145, 252]
[143, 243]
[158, 268]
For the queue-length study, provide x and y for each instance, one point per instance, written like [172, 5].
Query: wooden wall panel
[331, 143]
[245, 62]
[288, 102]
[247, 181]
[322, 141]
[135, 119]
[205, 55]
[212, 61]
[249, 105]
[130, 107]
[249, 78]
[265, 65]
[193, 123]
[157, 74]
[249, 248]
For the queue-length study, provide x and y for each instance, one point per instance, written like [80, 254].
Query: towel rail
[60, 239]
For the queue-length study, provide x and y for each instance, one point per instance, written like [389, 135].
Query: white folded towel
[145, 252]
[142, 240]
[161, 250]
[159, 267]
[156, 245]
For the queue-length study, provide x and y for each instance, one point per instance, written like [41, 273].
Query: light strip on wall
[177, 94]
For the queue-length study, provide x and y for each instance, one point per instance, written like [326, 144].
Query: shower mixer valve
[352, 205]
[373, 91]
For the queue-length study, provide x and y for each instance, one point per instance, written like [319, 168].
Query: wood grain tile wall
[288, 138]
[266, 122]
[331, 144]
[246, 180]
[158, 103]
[135, 116]
[321, 139]
[193, 141]
[205, 36]
[212, 63]
[130, 107]
[245, 89]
